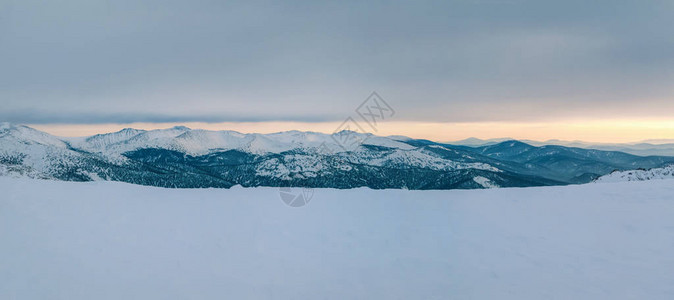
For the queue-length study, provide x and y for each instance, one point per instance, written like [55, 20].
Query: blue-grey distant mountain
[566, 164]
[191, 158]
[662, 147]
[475, 142]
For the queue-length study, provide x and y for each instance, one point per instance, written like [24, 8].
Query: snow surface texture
[107, 240]
[638, 175]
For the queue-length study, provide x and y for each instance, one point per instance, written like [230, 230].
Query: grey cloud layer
[81, 62]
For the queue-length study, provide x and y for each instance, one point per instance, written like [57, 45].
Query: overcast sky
[81, 62]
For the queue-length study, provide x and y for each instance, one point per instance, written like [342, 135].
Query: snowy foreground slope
[107, 240]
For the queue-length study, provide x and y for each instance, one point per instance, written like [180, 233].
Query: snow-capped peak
[23, 134]
[199, 141]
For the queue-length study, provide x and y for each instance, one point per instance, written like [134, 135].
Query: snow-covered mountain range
[184, 157]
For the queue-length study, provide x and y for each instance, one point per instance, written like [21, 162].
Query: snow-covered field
[106, 240]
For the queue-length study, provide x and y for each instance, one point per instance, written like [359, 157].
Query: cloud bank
[439, 61]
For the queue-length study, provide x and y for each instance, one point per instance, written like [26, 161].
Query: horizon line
[660, 132]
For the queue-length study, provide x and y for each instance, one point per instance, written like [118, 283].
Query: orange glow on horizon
[604, 131]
